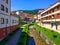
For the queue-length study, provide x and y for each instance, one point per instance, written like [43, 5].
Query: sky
[30, 4]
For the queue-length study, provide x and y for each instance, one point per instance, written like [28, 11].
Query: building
[21, 14]
[14, 22]
[40, 10]
[6, 19]
[24, 17]
[39, 16]
[30, 18]
[50, 18]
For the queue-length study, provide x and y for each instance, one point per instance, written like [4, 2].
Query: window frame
[2, 7]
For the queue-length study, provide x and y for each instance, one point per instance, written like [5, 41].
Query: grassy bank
[20, 24]
[52, 35]
[23, 40]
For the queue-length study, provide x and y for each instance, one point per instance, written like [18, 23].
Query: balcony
[53, 20]
[51, 14]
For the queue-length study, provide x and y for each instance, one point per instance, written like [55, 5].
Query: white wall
[5, 5]
[5, 17]
[58, 27]
[10, 20]
[47, 25]
[14, 18]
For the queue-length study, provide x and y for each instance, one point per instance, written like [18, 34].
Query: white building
[5, 18]
[50, 18]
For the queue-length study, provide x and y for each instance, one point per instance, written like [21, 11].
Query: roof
[30, 16]
[14, 14]
[52, 6]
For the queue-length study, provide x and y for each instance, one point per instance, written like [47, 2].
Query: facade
[14, 22]
[24, 17]
[6, 19]
[21, 14]
[30, 18]
[39, 16]
[50, 18]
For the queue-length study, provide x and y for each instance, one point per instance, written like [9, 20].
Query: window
[39, 19]
[52, 16]
[2, 7]
[3, 0]
[12, 21]
[52, 10]
[6, 9]
[58, 15]
[1, 20]
[7, 1]
[6, 21]
[58, 7]
[15, 21]
[45, 18]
